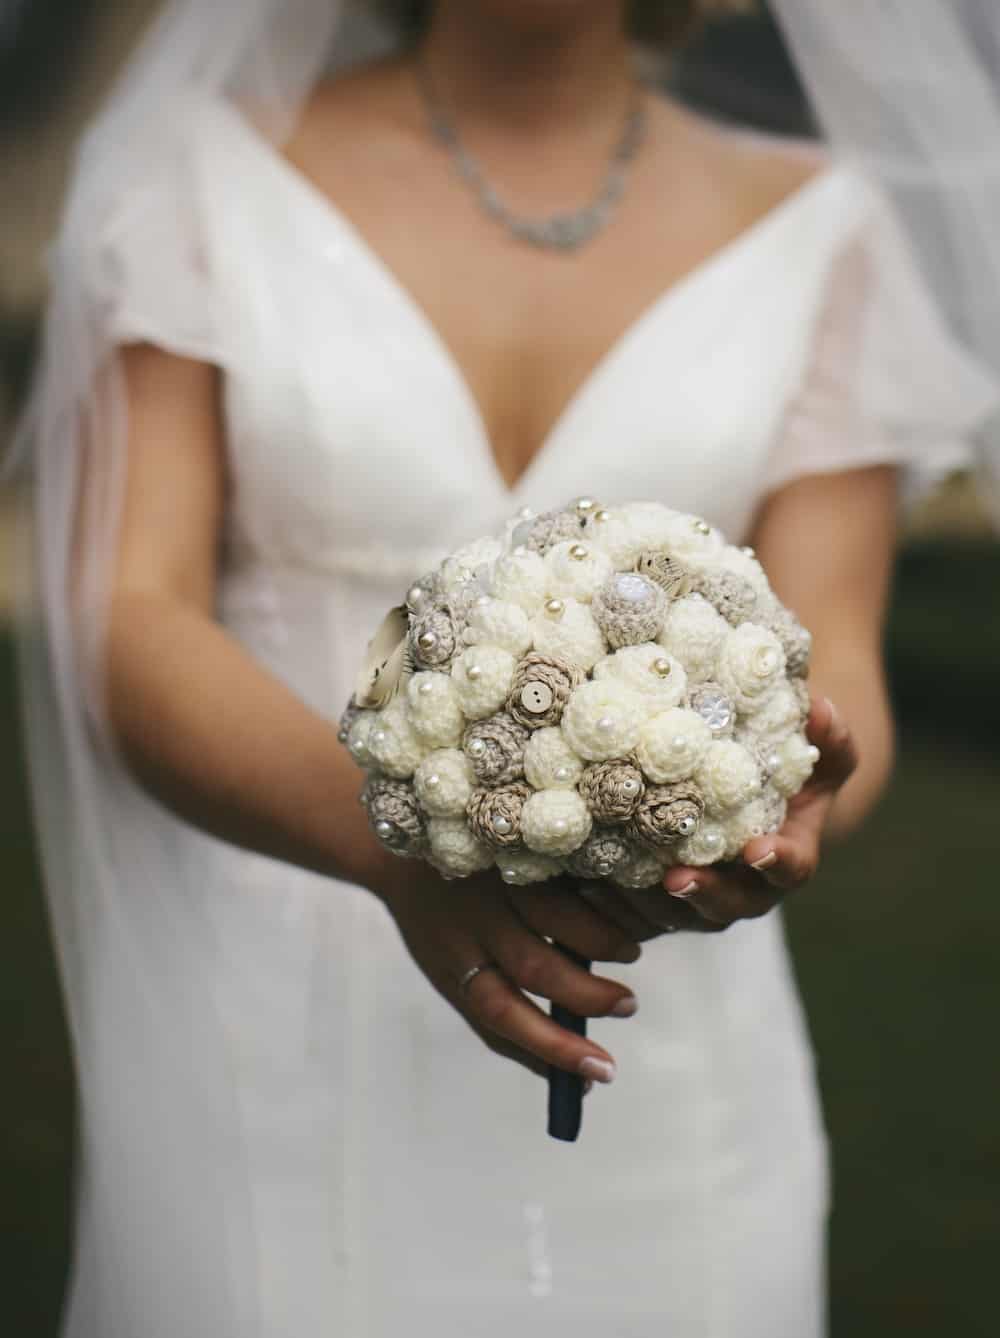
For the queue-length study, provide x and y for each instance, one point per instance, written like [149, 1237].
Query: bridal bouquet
[602, 692]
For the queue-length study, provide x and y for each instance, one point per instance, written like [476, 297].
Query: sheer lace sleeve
[886, 382]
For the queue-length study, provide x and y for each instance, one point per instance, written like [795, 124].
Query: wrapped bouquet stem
[598, 692]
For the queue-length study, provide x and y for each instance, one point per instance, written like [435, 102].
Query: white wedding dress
[354, 1162]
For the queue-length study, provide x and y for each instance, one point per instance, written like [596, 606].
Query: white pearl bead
[606, 724]
[579, 552]
[426, 687]
[679, 743]
[661, 666]
[555, 608]
[503, 826]
[477, 747]
[712, 840]
[559, 825]
[772, 761]
[509, 875]
[813, 754]
[525, 513]
[379, 736]
[562, 773]
[383, 827]
[585, 505]
[473, 672]
[433, 781]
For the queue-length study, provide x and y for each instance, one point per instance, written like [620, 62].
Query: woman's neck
[530, 74]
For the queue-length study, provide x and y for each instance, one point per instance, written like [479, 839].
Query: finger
[534, 965]
[613, 903]
[506, 1049]
[838, 751]
[670, 915]
[786, 859]
[722, 894]
[494, 1003]
[562, 914]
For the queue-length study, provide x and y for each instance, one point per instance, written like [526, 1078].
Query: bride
[314, 322]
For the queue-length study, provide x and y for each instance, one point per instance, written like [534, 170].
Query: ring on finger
[467, 977]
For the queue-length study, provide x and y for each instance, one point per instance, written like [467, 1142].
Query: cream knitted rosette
[601, 692]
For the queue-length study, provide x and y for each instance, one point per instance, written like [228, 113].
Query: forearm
[228, 747]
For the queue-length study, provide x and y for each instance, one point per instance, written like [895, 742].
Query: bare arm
[228, 747]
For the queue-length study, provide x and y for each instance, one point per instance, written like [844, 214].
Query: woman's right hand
[451, 926]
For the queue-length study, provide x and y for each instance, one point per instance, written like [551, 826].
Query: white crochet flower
[644, 867]
[728, 776]
[522, 867]
[671, 745]
[739, 562]
[796, 759]
[647, 670]
[454, 850]
[776, 717]
[694, 632]
[577, 570]
[549, 761]
[468, 562]
[499, 622]
[705, 846]
[443, 783]
[393, 743]
[555, 822]
[751, 665]
[618, 534]
[521, 578]
[602, 719]
[675, 532]
[744, 824]
[435, 710]
[482, 676]
[358, 736]
[568, 633]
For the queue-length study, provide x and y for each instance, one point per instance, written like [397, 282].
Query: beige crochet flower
[628, 609]
[728, 594]
[495, 815]
[612, 790]
[433, 639]
[600, 855]
[795, 640]
[495, 748]
[668, 813]
[545, 531]
[394, 815]
[540, 690]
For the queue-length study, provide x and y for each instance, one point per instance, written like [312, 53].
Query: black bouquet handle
[566, 1089]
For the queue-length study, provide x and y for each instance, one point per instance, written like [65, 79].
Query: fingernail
[628, 955]
[601, 1070]
[834, 713]
[688, 890]
[627, 1006]
[767, 861]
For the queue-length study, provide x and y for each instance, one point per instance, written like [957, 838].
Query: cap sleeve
[885, 381]
[152, 271]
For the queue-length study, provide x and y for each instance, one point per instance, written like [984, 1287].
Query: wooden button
[536, 697]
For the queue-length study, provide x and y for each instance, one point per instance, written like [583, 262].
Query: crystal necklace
[560, 232]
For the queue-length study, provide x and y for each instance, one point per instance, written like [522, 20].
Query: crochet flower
[612, 790]
[549, 761]
[727, 775]
[628, 608]
[358, 735]
[455, 852]
[521, 578]
[671, 575]
[796, 642]
[600, 855]
[498, 622]
[777, 717]
[435, 710]
[540, 689]
[351, 713]
[751, 665]
[443, 783]
[469, 563]
[647, 670]
[394, 815]
[520, 868]
[693, 632]
[643, 867]
[565, 630]
[667, 813]
[602, 719]
[707, 845]
[730, 595]
[618, 534]
[495, 815]
[555, 822]
[671, 744]
[481, 676]
[393, 744]
[577, 570]
[495, 747]
[796, 759]
[433, 639]
[744, 825]
[684, 537]
[540, 533]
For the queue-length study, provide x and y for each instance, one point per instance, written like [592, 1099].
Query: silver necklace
[564, 231]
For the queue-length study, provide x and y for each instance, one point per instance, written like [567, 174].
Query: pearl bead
[679, 743]
[585, 505]
[509, 875]
[358, 748]
[662, 667]
[813, 754]
[606, 724]
[555, 608]
[562, 773]
[477, 747]
[379, 736]
[483, 602]
[427, 640]
[426, 687]
[433, 781]
[712, 840]
[559, 825]
[416, 598]
[525, 513]
[772, 761]
[748, 551]
[474, 672]
[341, 735]
[579, 552]
[519, 550]
[383, 828]
[602, 517]
[702, 527]
[503, 826]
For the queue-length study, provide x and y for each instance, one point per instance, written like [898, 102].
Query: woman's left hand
[710, 899]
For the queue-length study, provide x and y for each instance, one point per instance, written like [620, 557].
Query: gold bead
[662, 666]
[602, 517]
[585, 505]
[702, 527]
[555, 608]
[578, 552]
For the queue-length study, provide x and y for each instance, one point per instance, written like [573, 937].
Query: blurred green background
[896, 945]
